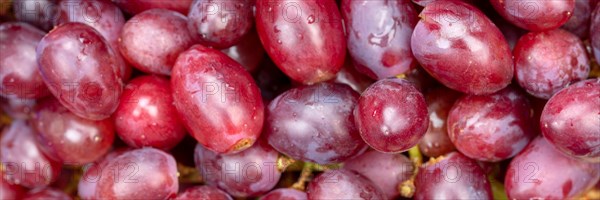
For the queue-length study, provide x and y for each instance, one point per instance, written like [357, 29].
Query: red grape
[460, 47]
[9, 191]
[491, 127]
[570, 120]
[342, 184]
[595, 31]
[535, 15]
[315, 123]
[309, 47]
[47, 193]
[20, 77]
[391, 115]
[348, 75]
[247, 173]
[579, 23]
[425, 2]
[453, 176]
[248, 52]
[146, 115]
[69, 138]
[81, 70]
[387, 171]
[92, 173]
[220, 23]
[204, 192]
[436, 142]
[379, 35]
[145, 173]
[40, 13]
[152, 40]
[138, 6]
[285, 194]
[546, 62]
[542, 172]
[22, 159]
[217, 100]
[18, 108]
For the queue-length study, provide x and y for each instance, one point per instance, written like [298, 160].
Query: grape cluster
[299, 99]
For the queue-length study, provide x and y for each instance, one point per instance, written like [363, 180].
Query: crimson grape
[70, 138]
[23, 161]
[18, 108]
[315, 123]
[595, 31]
[540, 171]
[460, 47]
[453, 176]
[579, 23]
[218, 101]
[248, 52]
[39, 13]
[436, 141]
[152, 40]
[425, 2]
[535, 15]
[342, 184]
[204, 192]
[391, 115]
[379, 35]
[285, 194]
[546, 62]
[138, 6]
[10, 191]
[146, 115]
[92, 173]
[247, 173]
[309, 47]
[46, 193]
[570, 120]
[387, 171]
[20, 77]
[220, 23]
[81, 70]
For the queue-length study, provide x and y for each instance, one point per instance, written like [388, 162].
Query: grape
[22, 159]
[220, 23]
[570, 120]
[379, 35]
[310, 47]
[535, 15]
[40, 13]
[145, 173]
[248, 52]
[436, 142]
[68, 138]
[217, 100]
[540, 171]
[426, 2]
[47, 193]
[315, 123]
[387, 171]
[204, 192]
[546, 62]
[391, 115]
[10, 191]
[152, 40]
[342, 184]
[146, 115]
[453, 176]
[18, 108]
[247, 173]
[491, 127]
[460, 47]
[92, 173]
[595, 31]
[81, 70]
[348, 75]
[20, 77]
[285, 194]
[578, 24]
[138, 6]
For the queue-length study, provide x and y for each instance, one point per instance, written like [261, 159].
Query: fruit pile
[299, 99]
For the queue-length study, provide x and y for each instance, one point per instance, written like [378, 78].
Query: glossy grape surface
[315, 123]
[10, 190]
[535, 15]
[285, 194]
[342, 184]
[436, 141]
[218, 101]
[138, 6]
[204, 192]
[570, 120]
[146, 115]
[304, 38]
[47, 193]
[460, 47]
[81, 70]
[391, 115]
[220, 23]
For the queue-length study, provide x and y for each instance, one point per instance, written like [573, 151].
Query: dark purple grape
[220, 23]
[452, 176]
[315, 123]
[342, 184]
[436, 141]
[571, 120]
[285, 194]
[386, 171]
[204, 192]
[542, 172]
[391, 115]
[248, 173]
[535, 15]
